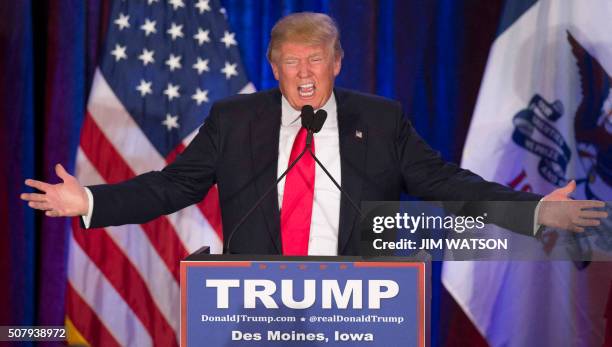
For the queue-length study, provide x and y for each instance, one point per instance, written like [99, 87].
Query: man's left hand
[559, 210]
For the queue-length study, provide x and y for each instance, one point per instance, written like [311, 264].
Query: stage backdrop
[430, 55]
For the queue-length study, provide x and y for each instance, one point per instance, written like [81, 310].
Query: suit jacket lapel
[265, 132]
[353, 145]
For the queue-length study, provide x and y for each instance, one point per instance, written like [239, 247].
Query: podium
[239, 300]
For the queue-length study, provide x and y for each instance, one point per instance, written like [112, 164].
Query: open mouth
[306, 90]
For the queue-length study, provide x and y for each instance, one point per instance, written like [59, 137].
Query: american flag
[164, 64]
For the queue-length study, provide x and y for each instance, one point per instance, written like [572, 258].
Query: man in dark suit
[246, 142]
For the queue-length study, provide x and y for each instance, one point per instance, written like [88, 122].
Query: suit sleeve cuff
[536, 215]
[87, 218]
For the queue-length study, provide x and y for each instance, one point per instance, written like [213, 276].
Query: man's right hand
[65, 199]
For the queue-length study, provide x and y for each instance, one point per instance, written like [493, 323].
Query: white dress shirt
[325, 219]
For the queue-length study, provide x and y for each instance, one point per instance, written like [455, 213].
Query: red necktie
[296, 211]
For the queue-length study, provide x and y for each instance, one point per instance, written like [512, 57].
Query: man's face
[306, 73]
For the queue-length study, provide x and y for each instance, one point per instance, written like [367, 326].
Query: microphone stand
[313, 123]
[258, 202]
[335, 183]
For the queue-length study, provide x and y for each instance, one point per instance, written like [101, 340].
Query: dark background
[430, 55]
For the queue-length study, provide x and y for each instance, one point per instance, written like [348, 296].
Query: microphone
[319, 119]
[308, 116]
[317, 124]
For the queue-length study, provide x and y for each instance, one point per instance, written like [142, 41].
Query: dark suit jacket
[237, 148]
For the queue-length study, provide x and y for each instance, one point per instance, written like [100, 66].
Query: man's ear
[274, 70]
[337, 66]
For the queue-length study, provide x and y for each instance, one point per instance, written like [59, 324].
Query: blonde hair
[307, 28]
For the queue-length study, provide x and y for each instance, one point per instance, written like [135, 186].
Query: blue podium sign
[302, 303]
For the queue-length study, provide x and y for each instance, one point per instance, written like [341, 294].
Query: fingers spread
[40, 205]
[593, 214]
[61, 172]
[584, 204]
[569, 188]
[34, 197]
[51, 214]
[42, 186]
[588, 222]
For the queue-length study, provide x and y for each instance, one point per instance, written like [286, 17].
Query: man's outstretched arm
[142, 198]
[428, 176]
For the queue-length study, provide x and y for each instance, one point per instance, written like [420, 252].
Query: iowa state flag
[543, 117]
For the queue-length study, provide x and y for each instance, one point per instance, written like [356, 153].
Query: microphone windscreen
[319, 120]
[307, 116]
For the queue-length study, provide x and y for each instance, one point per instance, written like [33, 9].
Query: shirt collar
[291, 116]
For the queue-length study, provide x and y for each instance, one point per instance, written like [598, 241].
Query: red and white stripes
[123, 282]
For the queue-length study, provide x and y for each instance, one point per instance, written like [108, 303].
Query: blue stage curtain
[47, 63]
[17, 238]
[429, 55]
